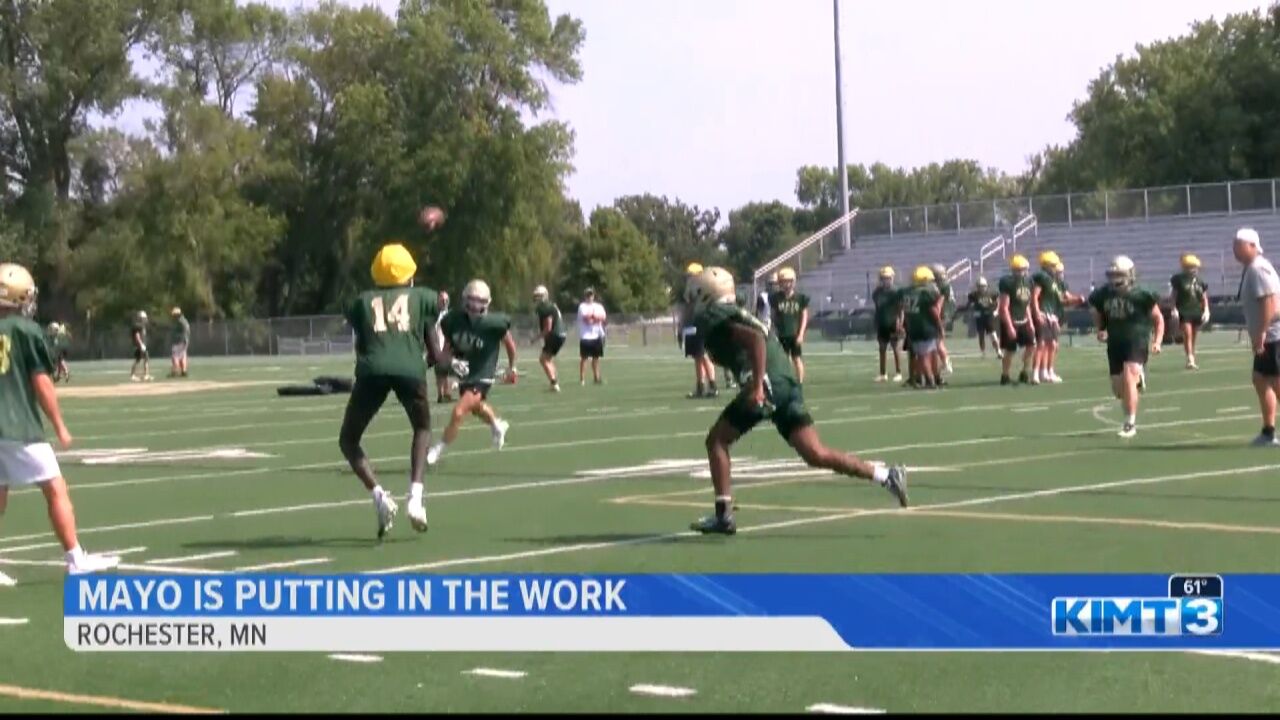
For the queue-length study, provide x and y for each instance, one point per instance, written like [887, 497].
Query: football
[430, 218]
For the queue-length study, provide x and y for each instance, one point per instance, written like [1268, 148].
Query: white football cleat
[882, 378]
[500, 433]
[87, 563]
[1127, 431]
[6, 581]
[897, 377]
[417, 514]
[434, 452]
[385, 507]
[949, 369]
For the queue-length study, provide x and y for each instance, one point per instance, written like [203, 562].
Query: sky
[719, 102]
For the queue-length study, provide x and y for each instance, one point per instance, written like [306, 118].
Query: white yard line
[354, 658]
[830, 709]
[283, 564]
[663, 691]
[496, 673]
[1269, 658]
[10, 621]
[189, 558]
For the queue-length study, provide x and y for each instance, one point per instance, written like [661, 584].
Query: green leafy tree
[682, 233]
[755, 234]
[619, 262]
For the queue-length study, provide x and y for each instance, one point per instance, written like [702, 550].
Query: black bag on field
[335, 384]
[302, 390]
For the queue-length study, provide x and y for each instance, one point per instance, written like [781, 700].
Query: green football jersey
[23, 353]
[477, 340]
[944, 289]
[982, 303]
[1051, 291]
[1126, 315]
[715, 326]
[138, 335]
[180, 332]
[391, 329]
[1018, 290]
[888, 301]
[917, 305]
[549, 310]
[787, 312]
[1188, 294]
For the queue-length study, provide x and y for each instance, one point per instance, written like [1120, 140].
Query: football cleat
[897, 377]
[1023, 378]
[1128, 430]
[882, 378]
[434, 452]
[1004, 380]
[896, 483]
[499, 431]
[87, 564]
[1265, 441]
[385, 507]
[711, 524]
[417, 514]
[6, 581]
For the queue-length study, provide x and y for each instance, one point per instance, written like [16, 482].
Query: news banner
[669, 613]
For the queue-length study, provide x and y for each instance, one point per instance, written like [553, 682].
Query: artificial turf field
[1020, 479]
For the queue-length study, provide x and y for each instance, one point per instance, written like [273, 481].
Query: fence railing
[1102, 206]
[813, 249]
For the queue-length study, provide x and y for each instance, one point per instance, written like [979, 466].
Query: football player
[550, 332]
[179, 340]
[887, 300]
[981, 305]
[393, 323]
[704, 372]
[943, 283]
[1068, 299]
[1125, 316]
[591, 336]
[1013, 311]
[1046, 313]
[790, 318]
[138, 337]
[59, 338]
[770, 391]
[922, 305]
[473, 337]
[1190, 298]
[26, 389]
[444, 380]
[763, 312]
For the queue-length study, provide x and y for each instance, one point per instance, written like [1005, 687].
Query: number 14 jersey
[391, 328]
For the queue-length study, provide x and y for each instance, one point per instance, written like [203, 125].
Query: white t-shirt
[1260, 281]
[591, 318]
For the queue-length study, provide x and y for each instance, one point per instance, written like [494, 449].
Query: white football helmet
[476, 297]
[982, 282]
[713, 285]
[17, 289]
[1121, 273]
[540, 293]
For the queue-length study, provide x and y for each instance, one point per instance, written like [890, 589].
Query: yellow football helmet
[17, 289]
[713, 285]
[1048, 259]
[393, 266]
[693, 269]
[1019, 263]
[922, 275]
[887, 272]
[1190, 262]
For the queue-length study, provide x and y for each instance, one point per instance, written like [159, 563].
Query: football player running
[888, 315]
[790, 318]
[551, 332]
[473, 336]
[141, 358]
[26, 389]
[1013, 311]
[1190, 298]
[1125, 316]
[770, 391]
[392, 323]
[981, 305]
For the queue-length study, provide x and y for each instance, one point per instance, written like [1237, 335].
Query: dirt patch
[154, 389]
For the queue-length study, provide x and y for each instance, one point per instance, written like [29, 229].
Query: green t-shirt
[1018, 288]
[787, 312]
[982, 303]
[180, 332]
[138, 335]
[944, 289]
[391, 328]
[549, 310]
[1051, 292]
[1188, 294]
[888, 300]
[917, 305]
[23, 353]
[715, 325]
[476, 340]
[1127, 315]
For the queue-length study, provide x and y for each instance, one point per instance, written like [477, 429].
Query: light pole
[841, 168]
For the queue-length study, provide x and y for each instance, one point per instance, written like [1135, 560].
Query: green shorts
[788, 414]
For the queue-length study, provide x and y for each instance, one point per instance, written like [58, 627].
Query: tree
[756, 233]
[681, 233]
[618, 261]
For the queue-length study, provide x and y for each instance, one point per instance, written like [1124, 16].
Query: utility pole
[841, 167]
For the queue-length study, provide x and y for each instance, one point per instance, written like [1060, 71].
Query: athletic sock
[880, 474]
[75, 555]
[724, 507]
[1269, 431]
[415, 491]
[1131, 419]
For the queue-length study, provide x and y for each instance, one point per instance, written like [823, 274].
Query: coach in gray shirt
[1260, 296]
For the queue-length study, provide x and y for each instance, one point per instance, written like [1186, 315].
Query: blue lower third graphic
[667, 613]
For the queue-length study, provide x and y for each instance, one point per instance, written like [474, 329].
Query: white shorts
[27, 463]
[920, 348]
[178, 351]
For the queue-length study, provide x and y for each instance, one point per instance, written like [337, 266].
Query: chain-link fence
[313, 335]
